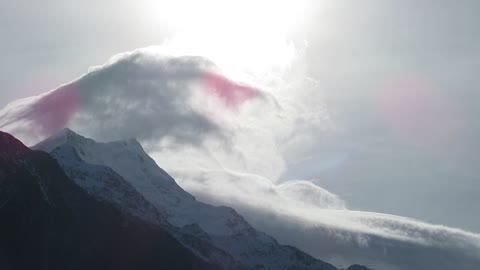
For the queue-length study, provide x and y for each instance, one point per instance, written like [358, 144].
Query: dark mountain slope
[47, 222]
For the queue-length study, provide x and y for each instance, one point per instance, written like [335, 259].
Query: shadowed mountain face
[48, 222]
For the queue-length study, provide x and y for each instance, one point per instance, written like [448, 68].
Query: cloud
[310, 194]
[133, 95]
[306, 216]
[240, 145]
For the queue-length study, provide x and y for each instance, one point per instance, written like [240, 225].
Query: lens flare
[420, 113]
[231, 93]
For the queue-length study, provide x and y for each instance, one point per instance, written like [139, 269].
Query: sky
[395, 80]
[344, 122]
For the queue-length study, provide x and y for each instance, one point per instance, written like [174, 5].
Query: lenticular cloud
[230, 143]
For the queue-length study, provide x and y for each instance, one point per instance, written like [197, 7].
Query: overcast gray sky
[419, 151]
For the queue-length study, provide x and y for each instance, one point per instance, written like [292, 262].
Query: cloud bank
[301, 214]
[237, 144]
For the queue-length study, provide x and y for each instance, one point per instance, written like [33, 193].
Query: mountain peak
[70, 134]
[65, 136]
[70, 137]
[68, 131]
[6, 138]
[10, 146]
[132, 143]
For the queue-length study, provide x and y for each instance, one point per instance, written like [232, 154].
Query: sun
[225, 15]
[248, 35]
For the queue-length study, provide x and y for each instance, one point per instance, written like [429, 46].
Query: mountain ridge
[48, 222]
[221, 226]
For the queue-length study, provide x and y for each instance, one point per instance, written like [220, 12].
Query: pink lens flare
[230, 92]
[54, 111]
[419, 112]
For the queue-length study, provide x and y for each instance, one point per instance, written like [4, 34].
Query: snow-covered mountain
[48, 222]
[123, 174]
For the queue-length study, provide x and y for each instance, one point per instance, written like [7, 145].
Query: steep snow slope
[128, 159]
[106, 185]
[221, 225]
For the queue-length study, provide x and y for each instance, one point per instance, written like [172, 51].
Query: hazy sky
[413, 154]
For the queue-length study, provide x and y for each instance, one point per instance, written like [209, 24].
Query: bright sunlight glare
[223, 15]
[242, 37]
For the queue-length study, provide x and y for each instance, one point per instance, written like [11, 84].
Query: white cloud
[317, 222]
